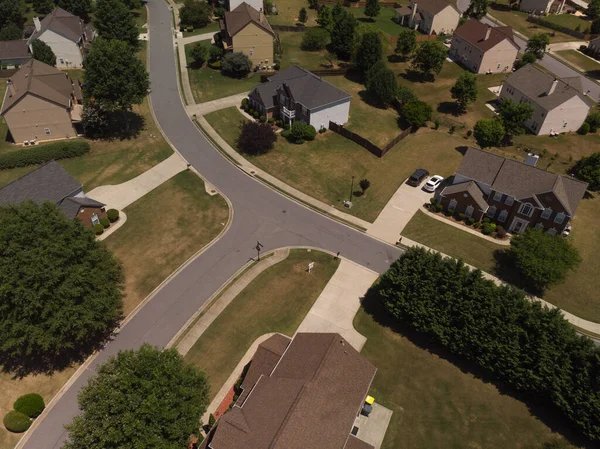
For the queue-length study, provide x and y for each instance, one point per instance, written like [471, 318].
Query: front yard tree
[429, 59]
[114, 21]
[407, 42]
[199, 52]
[593, 9]
[236, 64]
[382, 84]
[11, 32]
[416, 113]
[489, 132]
[364, 185]
[370, 51]
[256, 138]
[477, 9]
[302, 15]
[464, 90]
[43, 53]
[593, 119]
[588, 169]
[146, 398]
[537, 44]
[80, 8]
[343, 35]
[372, 9]
[514, 115]
[542, 259]
[61, 293]
[195, 13]
[324, 18]
[114, 77]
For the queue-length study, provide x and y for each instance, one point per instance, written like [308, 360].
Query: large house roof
[475, 32]
[520, 180]
[306, 88]
[309, 400]
[433, 7]
[64, 23]
[241, 16]
[536, 84]
[469, 187]
[14, 50]
[41, 80]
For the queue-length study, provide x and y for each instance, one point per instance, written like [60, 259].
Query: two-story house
[560, 104]
[296, 94]
[14, 53]
[429, 16]
[67, 35]
[484, 49]
[540, 7]
[514, 194]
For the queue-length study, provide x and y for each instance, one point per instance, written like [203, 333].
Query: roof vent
[36, 22]
[531, 159]
[488, 31]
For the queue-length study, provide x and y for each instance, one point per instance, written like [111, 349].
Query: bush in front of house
[112, 215]
[262, 119]
[211, 420]
[271, 120]
[488, 228]
[105, 222]
[301, 132]
[255, 114]
[500, 231]
[16, 422]
[40, 154]
[279, 123]
[256, 138]
[245, 102]
[98, 229]
[236, 64]
[310, 132]
[31, 404]
[584, 129]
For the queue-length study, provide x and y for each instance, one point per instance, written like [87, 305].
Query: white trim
[516, 220]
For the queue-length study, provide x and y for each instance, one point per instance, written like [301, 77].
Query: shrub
[432, 201]
[500, 231]
[416, 113]
[255, 114]
[112, 215]
[322, 130]
[31, 404]
[300, 132]
[310, 132]
[199, 52]
[452, 129]
[262, 119]
[236, 64]
[276, 66]
[286, 126]
[584, 129]
[583, 48]
[436, 124]
[461, 217]
[285, 133]
[486, 220]
[488, 228]
[215, 52]
[211, 421]
[256, 138]
[471, 221]
[245, 102]
[105, 222]
[271, 120]
[314, 39]
[98, 229]
[41, 154]
[451, 211]
[279, 123]
[477, 225]
[16, 422]
[219, 12]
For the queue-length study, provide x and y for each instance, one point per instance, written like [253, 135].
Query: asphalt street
[259, 214]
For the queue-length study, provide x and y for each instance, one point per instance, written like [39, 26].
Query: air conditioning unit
[26, 142]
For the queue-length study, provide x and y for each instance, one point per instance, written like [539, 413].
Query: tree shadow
[499, 7]
[394, 58]
[366, 20]
[417, 77]
[593, 74]
[450, 108]
[371, 100]
[506, 270]
[125, 126]
[539, 407]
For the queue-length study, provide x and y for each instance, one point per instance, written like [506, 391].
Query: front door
[518, 225]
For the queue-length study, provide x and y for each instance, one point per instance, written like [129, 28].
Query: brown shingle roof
[356, 443]
[64, 23]
[433, 6]
[241, 16]
[14, 50]
[474, 32]
[471, 188]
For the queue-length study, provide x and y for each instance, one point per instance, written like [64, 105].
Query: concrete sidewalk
[122, 195]
[181, 42]
[335, 308]
[215, 105]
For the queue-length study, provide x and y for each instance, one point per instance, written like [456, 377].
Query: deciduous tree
[80, 8]
[465, 90]
[489, 132]
[404, 95]
[593, 119]
[372, 8]
[528, 58]
[588, 169]
[514, 115]
[593, 9]
[314, 39]
[11, 11]
[43, 53]
[256, 138]
[370, 51]
[343, 35]
[236, 64]
[147, 398]
[195, 13]
[11, 32]
[43, 6]
[61, 290]
[429, 59]
[416, 113]
[114, 21]
[407, 42]
[382, 84]
[477, 9]
[537, 44]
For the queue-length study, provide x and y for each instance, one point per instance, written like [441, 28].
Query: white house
[542, 6]
[429, 16]
[67, 35]
[560, 104]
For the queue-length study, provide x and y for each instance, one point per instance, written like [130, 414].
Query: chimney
[488, 31]
[36, 22]
[531, 159]
[553, 87]
[413, 13]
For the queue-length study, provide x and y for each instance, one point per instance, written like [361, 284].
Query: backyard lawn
[591, 67]
[287, 13]
[294, 55]
[382, 22]
[324, 167]
[277, 300]
[570, 21]
[438, 405]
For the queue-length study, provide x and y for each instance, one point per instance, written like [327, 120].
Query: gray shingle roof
[14, 50]
[307, 89]
[64, 23]
[471, 188]
[71, 205]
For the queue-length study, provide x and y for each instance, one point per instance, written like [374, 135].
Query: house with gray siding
[14, 53]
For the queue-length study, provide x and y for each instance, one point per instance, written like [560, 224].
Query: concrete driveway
[398, 212]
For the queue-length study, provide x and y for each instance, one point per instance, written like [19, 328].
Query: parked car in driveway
[417, 177]
[433, 183]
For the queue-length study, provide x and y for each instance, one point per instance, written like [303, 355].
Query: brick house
[514, 194]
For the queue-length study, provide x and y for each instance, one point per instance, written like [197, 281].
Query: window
[560, 217]
[47, 131]
[526, 209]
[304, 110]
[552, 231]
[491, 211]
[497, 196]
[251, 51]
[452, 204]
[547, 212]
[469, 211]
[502, 216]
[94, 219]
[509, 200]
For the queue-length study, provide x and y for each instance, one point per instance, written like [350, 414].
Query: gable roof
[64, 23]
[310, 399]
[474, 32]
[14, 50]
[536, 84]
[41, 80]
[306, 88]
[434, 7]
[469, 187]
[237, 19]
[520, 180]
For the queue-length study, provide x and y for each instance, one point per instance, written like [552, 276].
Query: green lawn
[287, 13]
[141, 18]
[591, 67]
[212, 27]
[208, 83]
[438, 405]
[277, 300]
[324, 168]
[570, 21]
[294, 55]
[382, 22]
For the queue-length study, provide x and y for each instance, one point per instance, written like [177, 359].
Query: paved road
[259, 214]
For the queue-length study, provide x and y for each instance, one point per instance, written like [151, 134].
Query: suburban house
[484, 49]
[540, 7]
[51, 182]
[14, 53]
[302, 394]
[247, 30]
[514, 194]
[594, 48]
[297, 94]
[256, 4]
[41, 103]
[429, 16]
[560, 104]
[67, 35]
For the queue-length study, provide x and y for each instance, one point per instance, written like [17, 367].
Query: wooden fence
[365, 143]
[562, 29]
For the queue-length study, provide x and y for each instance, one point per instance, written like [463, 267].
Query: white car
[433, 183]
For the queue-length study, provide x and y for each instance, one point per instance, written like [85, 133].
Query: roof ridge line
[287, 416]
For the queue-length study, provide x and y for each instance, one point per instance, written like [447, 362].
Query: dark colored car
[417, 177]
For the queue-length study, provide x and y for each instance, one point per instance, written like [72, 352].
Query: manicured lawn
[382, 22]
[277, 300]
[570, 21]
[324, 168]
[438, 405]
[164, 228]
[141, 18]
[212, 27]
[591, 67]
[287, 13]
[209, 83]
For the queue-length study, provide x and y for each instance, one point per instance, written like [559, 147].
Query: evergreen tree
[343, 35]
[114, 21]
[407, 42]
[302, 15]
[324, 18]
[43, 53]
[477, 9]
[372, 8]
[370, 51]
[382, 84]
[11, 32]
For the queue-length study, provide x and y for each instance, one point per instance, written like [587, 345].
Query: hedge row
[533, 349]
[40, 154]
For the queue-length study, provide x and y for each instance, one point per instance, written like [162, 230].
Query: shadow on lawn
[543, 410]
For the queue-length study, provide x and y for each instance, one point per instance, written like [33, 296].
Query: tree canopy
[416, 113]
[477, 9]
[314, 39]
[236, 64]
[200, 52]
[11, 32]
[528, 58]
[465, 90]
[381, 83]
[514, 115]
[146, 398]
[372, 8]
[429, 58]
[61, 290]
[114, 21]
[587, 169]
[489, 132]
[43, 53]
[324, 18]
[369, 52]
[195, 13]
[80, 8]
[256, 138]
[407, 42]
[537, 44]
[593, 9]
[43, 6]
[343, 34]
[11, 11]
